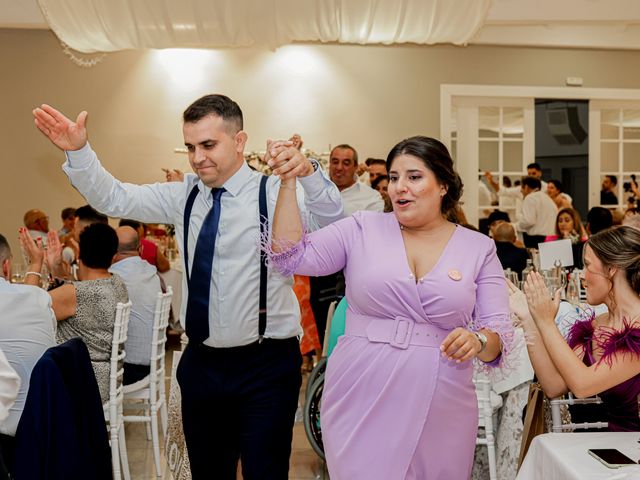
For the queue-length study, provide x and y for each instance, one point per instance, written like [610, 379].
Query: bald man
[37, 222]
[510, 255]
[143, 285]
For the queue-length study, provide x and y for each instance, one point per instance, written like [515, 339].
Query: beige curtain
[109, 25]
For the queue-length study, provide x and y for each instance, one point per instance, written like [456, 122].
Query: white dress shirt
[538, 214]
[143, 286]
[235, 279]
[9, 386]
[27, 329]
[361, 197]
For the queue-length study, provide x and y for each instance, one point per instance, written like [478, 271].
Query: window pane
[512, 122]
[488, 122]
[631, 125]
[610, 119]
[454, 150]
[488, 152]
[631, 156]
[512, 156]
[609, 157]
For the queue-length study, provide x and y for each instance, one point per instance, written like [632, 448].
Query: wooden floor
[305, 464]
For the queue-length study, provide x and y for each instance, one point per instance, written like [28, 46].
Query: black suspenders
[264, 228]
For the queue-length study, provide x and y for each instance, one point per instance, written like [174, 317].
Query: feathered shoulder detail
[608, 340]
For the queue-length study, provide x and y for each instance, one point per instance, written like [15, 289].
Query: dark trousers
[134, 373]
[240, 403]
[532, 241]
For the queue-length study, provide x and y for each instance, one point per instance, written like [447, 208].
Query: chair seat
[134, 387]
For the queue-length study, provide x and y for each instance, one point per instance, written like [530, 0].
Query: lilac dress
[619, 403]
[392, 407]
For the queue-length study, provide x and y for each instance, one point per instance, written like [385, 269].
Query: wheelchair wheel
[315, 373]
[311, 416]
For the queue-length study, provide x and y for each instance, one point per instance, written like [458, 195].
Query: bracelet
[33, 273]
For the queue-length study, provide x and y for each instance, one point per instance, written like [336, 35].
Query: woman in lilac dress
[425, 297]
[601, 354]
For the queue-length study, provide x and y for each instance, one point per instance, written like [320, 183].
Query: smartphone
[610, 457]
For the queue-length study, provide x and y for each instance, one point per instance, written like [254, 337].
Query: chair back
[557, 426]
[120, 327]
[487, 406]
[158, 340]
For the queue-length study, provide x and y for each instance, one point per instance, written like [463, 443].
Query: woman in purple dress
[601, 355]
[425, 297]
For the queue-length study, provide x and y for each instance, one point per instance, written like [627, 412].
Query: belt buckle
[400, 335]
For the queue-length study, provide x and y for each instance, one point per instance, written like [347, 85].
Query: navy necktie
[197, 317]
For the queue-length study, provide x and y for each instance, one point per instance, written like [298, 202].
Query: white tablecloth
[564, 456]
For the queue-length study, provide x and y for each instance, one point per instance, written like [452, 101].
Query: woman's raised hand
[62, 132]
[32, 249]
[518, 303]
[543, 308]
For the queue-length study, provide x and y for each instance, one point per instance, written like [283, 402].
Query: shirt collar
[234, 184]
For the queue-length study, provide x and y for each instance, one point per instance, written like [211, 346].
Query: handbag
[534, 422]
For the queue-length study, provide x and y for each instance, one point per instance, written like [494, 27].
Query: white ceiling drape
[109, 25]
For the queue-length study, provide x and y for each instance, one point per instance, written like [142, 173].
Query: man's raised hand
[63, 133]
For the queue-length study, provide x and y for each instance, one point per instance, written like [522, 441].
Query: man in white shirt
[356, 195]
[240, 374]
[27, 330]
[512, 196]
[143, 286]
[539, 212]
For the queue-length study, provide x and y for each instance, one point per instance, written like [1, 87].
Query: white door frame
[449, 91]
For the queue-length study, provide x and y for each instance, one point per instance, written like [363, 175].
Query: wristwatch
[482, 338]
[314, 164]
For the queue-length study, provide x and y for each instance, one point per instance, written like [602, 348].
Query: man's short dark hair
[346, 146]
[375, 161]
[88, 214]
[68, 213]
[612, 178]
[532, 182]
[217, 105]
[5, 250]
[598, 219]
[98, 245]
[535, 166]
[498, 215]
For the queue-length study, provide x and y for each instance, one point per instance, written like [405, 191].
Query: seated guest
[495, 218]
[68, 217]
[632, 218]
[143, 286]
[377, 167]
[598, 219]
[569, 226]
[555, 191]
[510, 255]
[381, 184]
[86, 308]
[82, 218]
[149, 251]
[27, 329]
[37, 222]
[601, 355]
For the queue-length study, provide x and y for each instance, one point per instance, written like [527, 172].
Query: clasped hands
[286, 160]
[535, 303]
[37, 254]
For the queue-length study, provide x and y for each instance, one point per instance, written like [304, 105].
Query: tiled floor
[305, 464]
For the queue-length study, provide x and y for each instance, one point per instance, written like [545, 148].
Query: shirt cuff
[314, 184]
[79, 159]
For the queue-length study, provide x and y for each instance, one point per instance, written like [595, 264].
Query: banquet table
[565, 456]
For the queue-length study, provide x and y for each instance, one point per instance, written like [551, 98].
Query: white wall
[369, 96]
